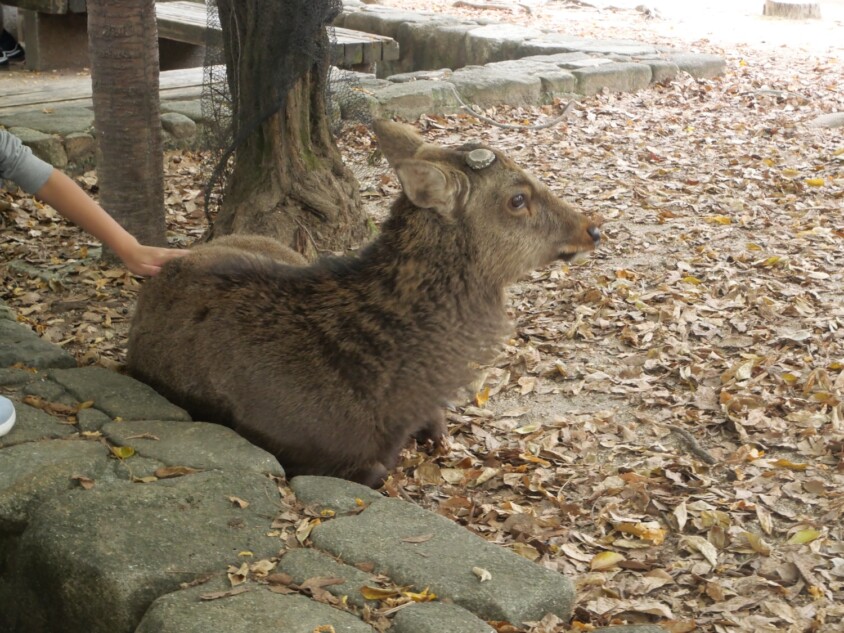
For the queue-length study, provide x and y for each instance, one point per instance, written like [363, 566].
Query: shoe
[11, 49]
[4, 61]
[16, 54]
[7, 415]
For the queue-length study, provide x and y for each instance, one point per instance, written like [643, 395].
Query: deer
[335, 366]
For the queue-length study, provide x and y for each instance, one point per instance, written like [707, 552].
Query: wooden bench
[55, 32]
[47, 92]
[187, 22]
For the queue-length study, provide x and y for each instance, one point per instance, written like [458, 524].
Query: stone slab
[486, 87]
[422, 549]
[699, 65]
[35, 472]
[19, 344]
[117, 395]
[437, 617]
[442, 74]
[532, 66]
[558, 59]
[127, 544]
[550, 43]
[557, 84]
[385, 20]
[329, 493]
[6, 313]
[47, 390]
[79, 146]
[438, 45]
[61, 121]
[433, 44]
[178, 125]
[614, 47]
[554, 80]
[90, 420]
[303, 564]
[412, 99]
[496, 42]
[199, 445]
[831, 120]
[662, 70]
[615, 77]
[33, 424]
[586, 62]
[47, 147]
[354, 92]
[190, 109]
[14, 377]
[257, 610]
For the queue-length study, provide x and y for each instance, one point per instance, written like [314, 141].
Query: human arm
[66, 197]
[33, 175]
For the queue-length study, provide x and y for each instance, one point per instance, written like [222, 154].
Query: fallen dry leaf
[216, 595]
[167, 472]
[713, 306]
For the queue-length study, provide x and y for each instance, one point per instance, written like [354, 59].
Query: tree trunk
[288, 179]
[123, 42]
[792, 10]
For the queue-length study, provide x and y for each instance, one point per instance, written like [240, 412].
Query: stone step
[481, 65]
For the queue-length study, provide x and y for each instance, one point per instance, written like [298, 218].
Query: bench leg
[55, 41]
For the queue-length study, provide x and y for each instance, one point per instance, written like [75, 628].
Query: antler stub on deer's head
[480, 158]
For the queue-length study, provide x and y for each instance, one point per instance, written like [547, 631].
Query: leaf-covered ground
[665, 424]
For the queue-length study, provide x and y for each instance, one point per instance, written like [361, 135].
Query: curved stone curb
[95, 560]
[425, 550]
[256, 610]
[110, 526]
[19, 344]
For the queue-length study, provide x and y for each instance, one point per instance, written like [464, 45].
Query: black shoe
[4, 61]
[11, 49]
[17, 54]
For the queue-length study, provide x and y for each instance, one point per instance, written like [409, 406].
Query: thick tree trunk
[288, 179]
[123, 43]
[792, 10]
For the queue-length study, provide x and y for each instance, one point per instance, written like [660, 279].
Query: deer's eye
[518, 203]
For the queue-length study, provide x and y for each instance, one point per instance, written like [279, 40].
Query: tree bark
[123, 42]
[792, 10]
[288, 179]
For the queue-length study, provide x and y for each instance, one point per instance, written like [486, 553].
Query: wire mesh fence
[350, 114]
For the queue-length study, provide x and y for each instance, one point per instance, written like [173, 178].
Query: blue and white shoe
[7, 415]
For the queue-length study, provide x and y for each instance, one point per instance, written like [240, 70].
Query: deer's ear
[426, 185]
[396, 140]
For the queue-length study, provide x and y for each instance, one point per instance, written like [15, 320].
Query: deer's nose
[594, 233]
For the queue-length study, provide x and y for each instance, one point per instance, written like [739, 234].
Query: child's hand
[148, 260]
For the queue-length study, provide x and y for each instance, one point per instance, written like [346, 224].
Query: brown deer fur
[334, 366]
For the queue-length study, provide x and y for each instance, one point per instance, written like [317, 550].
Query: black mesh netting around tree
[346, 106]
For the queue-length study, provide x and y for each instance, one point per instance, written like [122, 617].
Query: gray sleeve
[17, 163]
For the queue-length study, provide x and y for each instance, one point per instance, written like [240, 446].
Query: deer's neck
[422, 258]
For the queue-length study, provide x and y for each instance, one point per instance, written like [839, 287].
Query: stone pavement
[444, 62]
[118, 514]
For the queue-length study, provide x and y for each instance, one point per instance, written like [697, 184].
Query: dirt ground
[665, 424]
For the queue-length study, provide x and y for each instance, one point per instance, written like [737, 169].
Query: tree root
[492, 6]
[692, 444]
[509, 126]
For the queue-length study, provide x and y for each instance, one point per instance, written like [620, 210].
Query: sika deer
[334, 366]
